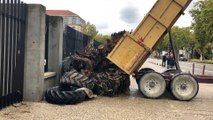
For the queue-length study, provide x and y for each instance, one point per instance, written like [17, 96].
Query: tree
[162, 46]
[89, 29]
[203, 25]
[102, 38]
[182, 39]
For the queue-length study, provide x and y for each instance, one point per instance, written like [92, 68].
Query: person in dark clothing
[170, 61]
[164, 60]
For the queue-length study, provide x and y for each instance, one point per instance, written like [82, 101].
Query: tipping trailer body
[132, 50]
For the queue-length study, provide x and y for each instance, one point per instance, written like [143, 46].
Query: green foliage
[89, 29]
[182, 39]
[209, 54]
[203, 25]
[202, 61]
[162, 46]
[102, 38]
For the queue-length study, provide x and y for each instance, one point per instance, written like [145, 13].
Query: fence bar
[24, 12]
[1, 26]
[10, 54]
[14, 51]
[6, 56]
[18, 54]
[2, 53]
[21, 49]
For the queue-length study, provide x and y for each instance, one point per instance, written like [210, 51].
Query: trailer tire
[152, 85]
[184, 87]
[74, 78]
[58, 95]
[142, 72]
[170, 72]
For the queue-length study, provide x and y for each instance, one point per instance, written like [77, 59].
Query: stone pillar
[34, 53]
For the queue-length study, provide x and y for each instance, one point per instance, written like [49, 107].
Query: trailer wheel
[152, 85]
[170, 72]
[184, 87]
[142, 72]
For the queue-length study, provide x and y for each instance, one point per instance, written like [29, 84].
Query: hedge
[204, 61]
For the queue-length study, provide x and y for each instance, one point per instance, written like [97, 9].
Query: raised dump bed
[133, 49]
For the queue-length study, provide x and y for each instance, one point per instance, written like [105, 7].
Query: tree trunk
[201, 57]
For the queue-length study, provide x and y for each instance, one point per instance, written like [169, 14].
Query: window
[74, 20]
[65, 20]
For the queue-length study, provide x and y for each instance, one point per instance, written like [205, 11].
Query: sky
[110, 16]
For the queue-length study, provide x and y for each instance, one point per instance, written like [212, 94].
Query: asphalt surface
[129, 106]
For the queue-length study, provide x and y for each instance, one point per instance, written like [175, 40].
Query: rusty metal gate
[12, 42]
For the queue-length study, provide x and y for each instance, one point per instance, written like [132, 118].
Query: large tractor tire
[59, 95]
[67, 95]
[184, 87]
[66, 65]
[152, 85]
[74, 78]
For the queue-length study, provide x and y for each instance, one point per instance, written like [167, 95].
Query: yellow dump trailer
[133, 50]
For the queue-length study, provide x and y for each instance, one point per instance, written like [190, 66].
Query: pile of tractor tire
[88, 73]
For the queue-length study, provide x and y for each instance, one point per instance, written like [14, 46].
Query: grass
[199, 61]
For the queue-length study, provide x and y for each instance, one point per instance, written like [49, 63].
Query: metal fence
[73, 40]
[12, 35]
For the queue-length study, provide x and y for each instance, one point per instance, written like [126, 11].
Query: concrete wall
[35, 80]
[55, 45]
[34, 53]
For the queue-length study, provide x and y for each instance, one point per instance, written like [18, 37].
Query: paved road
[129, 106]
[187, 66]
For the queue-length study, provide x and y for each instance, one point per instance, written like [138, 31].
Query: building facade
[69, 18]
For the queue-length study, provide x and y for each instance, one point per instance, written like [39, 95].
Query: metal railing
[12, 44]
